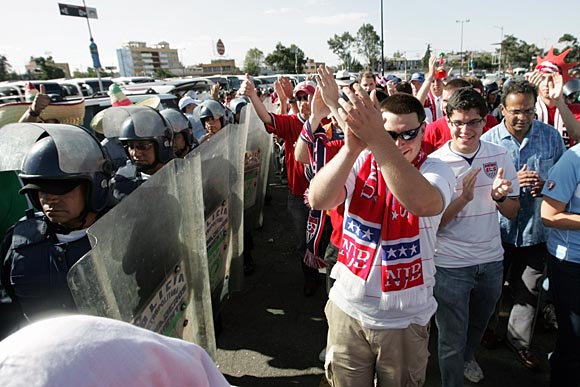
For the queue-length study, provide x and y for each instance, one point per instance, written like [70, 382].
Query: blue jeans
[466, 299]
[565, 285]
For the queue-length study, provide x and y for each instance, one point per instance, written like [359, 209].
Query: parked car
[84, 87]
[14, 91]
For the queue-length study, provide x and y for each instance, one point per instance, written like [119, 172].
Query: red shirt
[575, 109]
[288, 128]
[438, 133]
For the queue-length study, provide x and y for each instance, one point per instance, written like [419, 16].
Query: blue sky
[35, 27]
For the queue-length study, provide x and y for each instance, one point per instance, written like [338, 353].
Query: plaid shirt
[542, 143]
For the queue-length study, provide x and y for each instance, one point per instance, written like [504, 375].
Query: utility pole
[500, 46]
[461, 53]
[382, 44]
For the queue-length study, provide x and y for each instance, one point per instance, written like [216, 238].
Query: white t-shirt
[366, 309]
[473, 237]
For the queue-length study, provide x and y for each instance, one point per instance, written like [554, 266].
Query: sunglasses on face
[407, 135]
[301, 97]
[143, 147]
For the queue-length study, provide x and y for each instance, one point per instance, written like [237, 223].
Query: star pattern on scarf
[394, 215]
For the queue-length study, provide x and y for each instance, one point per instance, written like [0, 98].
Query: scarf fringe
[403, 298]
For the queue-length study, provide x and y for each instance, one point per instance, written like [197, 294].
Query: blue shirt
[540, 150]
[563, 185]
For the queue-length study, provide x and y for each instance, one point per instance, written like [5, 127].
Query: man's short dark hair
[404, 87]
[455, 84]
[519, 87]
[403, 104]
[466, 98]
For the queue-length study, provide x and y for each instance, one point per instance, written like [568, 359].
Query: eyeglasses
[470, 124]
[407, 135]
[143, 146]
[527, 112]
[302, 97]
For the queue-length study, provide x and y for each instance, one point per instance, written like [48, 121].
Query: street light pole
[500, 45]
[461, 53]
[382, 44]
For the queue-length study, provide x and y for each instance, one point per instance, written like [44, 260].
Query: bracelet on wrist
[291, 100]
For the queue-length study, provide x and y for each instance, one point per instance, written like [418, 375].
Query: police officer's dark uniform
[37, 254]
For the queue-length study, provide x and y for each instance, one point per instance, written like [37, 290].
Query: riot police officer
[66, 177]
[183, 140]
[214, 116]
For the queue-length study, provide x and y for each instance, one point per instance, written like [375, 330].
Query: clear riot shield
[256, 167]
[222, 175]
[148, 263]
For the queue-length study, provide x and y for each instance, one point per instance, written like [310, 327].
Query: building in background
[137, 59]
[310, 66]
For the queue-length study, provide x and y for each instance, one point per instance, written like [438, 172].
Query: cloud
[278, 11]
[341, 18]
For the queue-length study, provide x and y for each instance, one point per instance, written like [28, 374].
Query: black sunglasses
[407, 135]
[302, 97]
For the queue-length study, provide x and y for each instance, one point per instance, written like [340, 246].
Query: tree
[5, 68]
[572, 44]
[341, 46]
[368, 45]
[161, 73]
[253, 61]
[47, 68]
[516, 52]
[90, 73]
[427, 56]
[286, 59]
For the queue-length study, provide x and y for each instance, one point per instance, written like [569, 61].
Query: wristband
[500, 200]
[32, 113]
[291, 100]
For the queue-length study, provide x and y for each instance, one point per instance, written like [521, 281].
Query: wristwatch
[500, 200]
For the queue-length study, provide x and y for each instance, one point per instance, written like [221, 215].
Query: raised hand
[41, 100]
[361, 115]
[247, 87]
[328, 87]
[287, 87]
[555, 86]
[501, 187]
[469, 184]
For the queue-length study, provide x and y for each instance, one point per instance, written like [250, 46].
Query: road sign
[77, 10]
[221, 48]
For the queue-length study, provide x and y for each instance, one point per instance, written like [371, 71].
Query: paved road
[272, 334]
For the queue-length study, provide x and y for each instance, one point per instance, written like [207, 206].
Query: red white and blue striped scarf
[376, 220]
[316, 142]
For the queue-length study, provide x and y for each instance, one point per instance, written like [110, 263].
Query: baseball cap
[419, 77]
[305, 87]
[393, 78]
[343, 78]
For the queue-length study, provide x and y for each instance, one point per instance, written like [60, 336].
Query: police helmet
[212, 108]
[63, 158]
[571, 87]
[145, 123]
[237, 104]
[179, 123]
